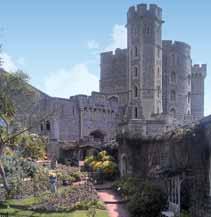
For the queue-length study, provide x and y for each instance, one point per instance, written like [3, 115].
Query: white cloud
[118, 38]
[11, 64]
[93, 44]
[8, 63]
[77, 80]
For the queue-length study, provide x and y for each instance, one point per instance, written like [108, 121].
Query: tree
[16, 95]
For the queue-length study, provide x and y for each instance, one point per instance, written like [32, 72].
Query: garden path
[114, 204]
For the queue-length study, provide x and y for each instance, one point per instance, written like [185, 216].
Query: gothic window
[158, 50]
[189, 80]
[135, 91]
[136, 71]
[189, 96]
[173, 95]
[173, 77]
[158, 91]
[48, 125]
[135, 112]
[136, 51]
[173, 59]
[41, 127]
[173, 112]
[158, 73]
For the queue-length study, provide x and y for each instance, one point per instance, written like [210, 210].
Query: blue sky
[57, 42]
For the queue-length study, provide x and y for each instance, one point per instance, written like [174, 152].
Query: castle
[147, 88]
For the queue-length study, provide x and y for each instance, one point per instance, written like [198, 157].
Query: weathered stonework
[184, 153]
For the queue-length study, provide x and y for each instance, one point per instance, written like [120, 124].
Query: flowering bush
[102, 161]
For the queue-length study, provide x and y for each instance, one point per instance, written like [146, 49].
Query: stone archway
[97, 135]
[124, 165]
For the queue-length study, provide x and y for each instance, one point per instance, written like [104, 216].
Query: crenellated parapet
[199, 71]
[177, 46]
[107, 57]
[145, 10]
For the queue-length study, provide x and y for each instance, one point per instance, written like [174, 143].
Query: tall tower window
[189, 96]
[136, 51]
[173, 59]
[189, 80]
[136, 71]
[135, 112]
[135, 91]
[158, 91]
[48, 125]
[173, 95]
[158, 73]
[173, 77]
[173, 113]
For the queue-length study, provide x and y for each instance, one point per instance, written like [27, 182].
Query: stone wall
[114, 76]
[184, 152]
[177, 79]
[197, 96]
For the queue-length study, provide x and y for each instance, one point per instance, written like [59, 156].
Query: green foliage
[147, 201]
[86, 205]
[185, 214]
[12, 85]
[102, 161]
[144, 198]
[126, 186]
[31, 146]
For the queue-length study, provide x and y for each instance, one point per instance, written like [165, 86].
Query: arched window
[173, 113]
[173, 95]
[189, 80]
[136, 71]
[48, 125]
[173, 77]
[135, 91]
[189, 97]
[135, 112]
[173, 59]
[158, 73]
[136, 51]
[158, 91]
[41, 127]
[113, 99]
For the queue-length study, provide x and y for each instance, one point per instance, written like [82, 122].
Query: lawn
[19, 208]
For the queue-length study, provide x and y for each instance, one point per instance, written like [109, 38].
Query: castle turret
[113, 75]
[144, 26]
[177, 79]
[199, 73]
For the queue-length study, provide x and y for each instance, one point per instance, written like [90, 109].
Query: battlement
[199, 70]
[107, 57]
[145, 10]
[175, 44]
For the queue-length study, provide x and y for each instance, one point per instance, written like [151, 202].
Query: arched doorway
[124, 165]
[97, 135]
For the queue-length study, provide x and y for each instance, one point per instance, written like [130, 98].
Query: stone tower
[177, 80]
[144, 29]
[197, 96]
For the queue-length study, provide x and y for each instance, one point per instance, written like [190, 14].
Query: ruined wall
[185, 151]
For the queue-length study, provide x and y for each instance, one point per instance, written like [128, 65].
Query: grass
[18, 208]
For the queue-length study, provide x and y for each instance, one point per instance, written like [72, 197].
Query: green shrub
[103, 162]
[126, 186]
[147, 201]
